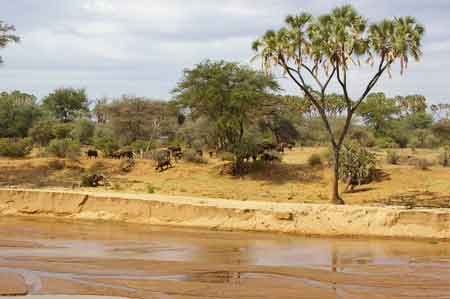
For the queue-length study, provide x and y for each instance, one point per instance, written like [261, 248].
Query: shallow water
[137, 261]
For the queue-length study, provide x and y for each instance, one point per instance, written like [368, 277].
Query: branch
[320, 108]
[313, 75]
[372, 82]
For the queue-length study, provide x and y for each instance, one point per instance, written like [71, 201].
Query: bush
[106, 141]
[15, 148]
[42, 132]
[422, 164]
[193, 157]
[362, 136]
[444, 158]
[357, 165]
[56, 164]
[62, 131]
[64, 148]
[314, 160]
[83, 131]
[151, 189]
[142, 146]
[226, 156]
[386, 142]
[392, 157]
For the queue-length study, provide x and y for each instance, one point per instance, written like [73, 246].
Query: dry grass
[290, 181]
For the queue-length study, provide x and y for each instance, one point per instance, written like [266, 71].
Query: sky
[140, 47]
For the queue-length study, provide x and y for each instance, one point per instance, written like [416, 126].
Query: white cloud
[141, 46]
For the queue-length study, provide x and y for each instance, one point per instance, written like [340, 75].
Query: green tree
[66, 104]
[377, 111]
[135, 118]
[7, 36]
[315, 51]
[227, 95]
[18, 112]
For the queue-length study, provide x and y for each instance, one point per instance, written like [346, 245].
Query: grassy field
[290, 181]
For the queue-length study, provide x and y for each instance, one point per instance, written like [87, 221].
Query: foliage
[193, 157]
[362, 136]
[16, 148]
[135, 118]
[18, 112]
[83, 131]
[105, 140]
[227, 95]
[62, 130]
[442, 130]
[315, 160]
[7, 36]
[386, 142]
[66, 104]
[64, 148]
[392, 157]
[377, 111]
[150, 189]
[42, 132]
[357, 164]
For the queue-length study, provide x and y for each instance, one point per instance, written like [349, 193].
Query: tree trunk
[335, 198]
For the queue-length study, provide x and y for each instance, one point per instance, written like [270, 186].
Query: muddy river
[48, 257]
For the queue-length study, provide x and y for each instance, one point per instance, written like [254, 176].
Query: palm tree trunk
[335, 198]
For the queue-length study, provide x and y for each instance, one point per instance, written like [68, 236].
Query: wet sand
[135, 261]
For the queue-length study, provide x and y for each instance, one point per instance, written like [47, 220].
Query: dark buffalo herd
[266, 151]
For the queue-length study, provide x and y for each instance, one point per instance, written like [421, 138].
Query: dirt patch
[12, 284]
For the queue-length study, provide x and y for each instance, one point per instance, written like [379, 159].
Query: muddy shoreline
[219, 214]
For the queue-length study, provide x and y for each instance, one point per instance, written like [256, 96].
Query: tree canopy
[225, 93]
[66, 103]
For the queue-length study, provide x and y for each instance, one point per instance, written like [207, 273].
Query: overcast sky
[140, 47]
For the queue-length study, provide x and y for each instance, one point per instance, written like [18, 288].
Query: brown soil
[290, 181]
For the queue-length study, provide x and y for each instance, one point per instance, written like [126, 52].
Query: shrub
[64, 148]
[142, 146]
[193, 157]
[105, 140]
[15, 148]
[151, 189]
[315, 160]
[357, 165]
[83, 131]
[392, 157]
[422, 164]
[56, 164]
[42, 132]
[386, 142]
[362, 136]
[62, 131]
[444, 158]
[226, 156]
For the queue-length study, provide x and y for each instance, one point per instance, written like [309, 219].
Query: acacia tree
[7, 36]
[229, 96]
[314, 51]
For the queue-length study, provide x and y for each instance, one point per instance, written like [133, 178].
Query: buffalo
[92, 154]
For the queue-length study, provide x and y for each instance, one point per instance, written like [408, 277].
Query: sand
[219, 214]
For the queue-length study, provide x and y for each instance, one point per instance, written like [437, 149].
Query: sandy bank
[305, 219]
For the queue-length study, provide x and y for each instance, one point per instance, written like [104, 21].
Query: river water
[137, 261]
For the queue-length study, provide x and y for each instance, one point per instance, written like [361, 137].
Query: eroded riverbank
[219, 214]
[119, 259]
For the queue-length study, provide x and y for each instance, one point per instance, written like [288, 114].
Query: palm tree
[314, 51]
